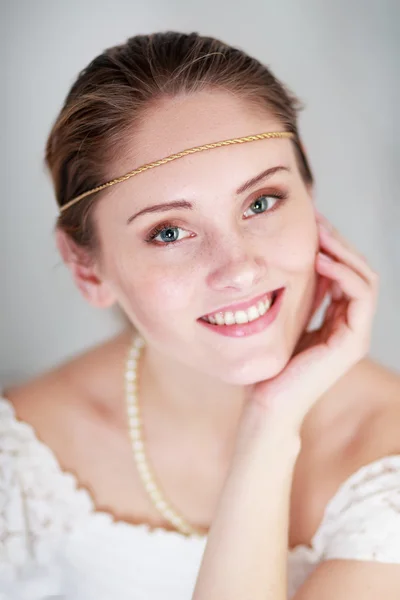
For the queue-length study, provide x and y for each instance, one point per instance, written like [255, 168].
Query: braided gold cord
[162, 161]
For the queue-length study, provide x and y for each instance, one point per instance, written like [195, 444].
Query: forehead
[184, 122]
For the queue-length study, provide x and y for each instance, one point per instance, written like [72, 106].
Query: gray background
[341, 57]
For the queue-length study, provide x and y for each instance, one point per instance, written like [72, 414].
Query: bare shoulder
[48, 399]
[356, 423]
[375, 423]
[382, 430]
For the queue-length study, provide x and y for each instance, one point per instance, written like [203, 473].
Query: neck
[186, 398]
[182, 398]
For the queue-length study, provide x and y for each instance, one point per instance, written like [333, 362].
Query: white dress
[55, 546]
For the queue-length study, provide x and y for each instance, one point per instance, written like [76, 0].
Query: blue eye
[169, 233]
[260, 204]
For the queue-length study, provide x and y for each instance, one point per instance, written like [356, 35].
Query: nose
[237, 269]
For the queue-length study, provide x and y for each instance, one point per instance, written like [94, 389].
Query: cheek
[295, 248]
[170, 290]
[153, 294]
[294, 254]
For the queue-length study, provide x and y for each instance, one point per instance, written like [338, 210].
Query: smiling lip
[242, 305]
[253, 327]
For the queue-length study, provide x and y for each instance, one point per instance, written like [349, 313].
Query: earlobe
[84, 271]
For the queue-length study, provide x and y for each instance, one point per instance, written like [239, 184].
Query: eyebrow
[185, 204]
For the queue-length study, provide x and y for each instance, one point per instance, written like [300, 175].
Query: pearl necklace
[134, 423]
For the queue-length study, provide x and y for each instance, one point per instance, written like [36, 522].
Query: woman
[219, 447]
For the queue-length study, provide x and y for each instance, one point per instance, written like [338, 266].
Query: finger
[326, 225]
[322, 288]
[331, 312]
[330, 232]
[333, 242]
[352, 284]
[336, 245]
[336, 291]
[336, 317]
[362, 296]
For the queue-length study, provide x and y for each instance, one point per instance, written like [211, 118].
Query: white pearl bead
[133, 411]
[155, 494]
[145, 473]
[142, 471]
[161, 505]
[151, 487]
[134, 425]
[135, 435]
[139, 455]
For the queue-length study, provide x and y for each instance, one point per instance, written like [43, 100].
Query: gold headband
[162, 161]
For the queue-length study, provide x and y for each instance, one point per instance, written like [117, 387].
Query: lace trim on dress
[43, 483]
[40, 478]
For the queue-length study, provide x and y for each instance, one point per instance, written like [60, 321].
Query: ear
[85, 271]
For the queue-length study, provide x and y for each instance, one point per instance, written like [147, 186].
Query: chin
[257, 369]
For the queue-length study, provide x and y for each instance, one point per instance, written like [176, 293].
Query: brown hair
[111, 95]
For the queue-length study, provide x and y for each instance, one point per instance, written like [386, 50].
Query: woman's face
[168, 268]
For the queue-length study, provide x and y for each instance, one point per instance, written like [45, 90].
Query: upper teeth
[240, 316]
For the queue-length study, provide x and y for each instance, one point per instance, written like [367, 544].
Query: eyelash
[150, 238]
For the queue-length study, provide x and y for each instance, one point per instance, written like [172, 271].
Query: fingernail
[323, 220]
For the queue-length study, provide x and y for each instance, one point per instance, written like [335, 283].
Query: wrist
[259, 429]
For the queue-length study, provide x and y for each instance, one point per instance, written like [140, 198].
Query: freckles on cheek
[165, 292]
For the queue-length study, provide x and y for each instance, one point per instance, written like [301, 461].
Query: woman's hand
[246, 552]
[321, 357]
